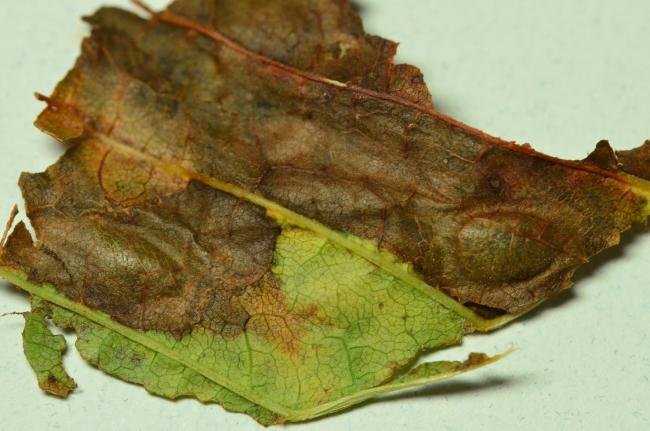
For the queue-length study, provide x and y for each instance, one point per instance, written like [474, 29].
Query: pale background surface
[559, 74]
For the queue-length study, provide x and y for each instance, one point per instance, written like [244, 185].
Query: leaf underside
[259, 209]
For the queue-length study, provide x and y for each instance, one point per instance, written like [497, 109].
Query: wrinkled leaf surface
[259, 209]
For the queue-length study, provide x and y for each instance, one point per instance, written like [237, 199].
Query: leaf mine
[258, 209]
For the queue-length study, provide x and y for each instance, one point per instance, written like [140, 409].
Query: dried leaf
[259, 209]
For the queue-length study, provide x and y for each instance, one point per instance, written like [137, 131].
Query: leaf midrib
[50, 294]
[178, 21]
[283, 216]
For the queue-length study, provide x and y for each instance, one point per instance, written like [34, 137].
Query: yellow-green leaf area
[337, 331]
[128, 360]
[360, 323]
[44, 352]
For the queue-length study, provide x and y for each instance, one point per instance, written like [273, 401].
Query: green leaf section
[128, 360]
[346, 332]
[44, 352]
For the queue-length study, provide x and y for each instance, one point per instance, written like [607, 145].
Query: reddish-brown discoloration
[323, 124]
[636, 161]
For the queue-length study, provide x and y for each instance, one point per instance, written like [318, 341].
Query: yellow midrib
[50, 294]
[283, 216]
